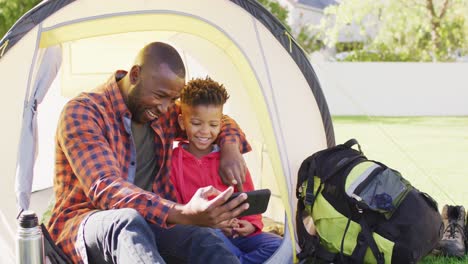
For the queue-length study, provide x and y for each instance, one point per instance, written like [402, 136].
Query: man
[114, 199]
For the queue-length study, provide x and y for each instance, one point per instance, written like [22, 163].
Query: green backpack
[363, 211]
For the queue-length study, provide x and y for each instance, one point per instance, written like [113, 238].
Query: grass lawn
[431, 152]
[443, 260]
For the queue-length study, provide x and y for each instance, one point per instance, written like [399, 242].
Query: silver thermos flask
[29, 241]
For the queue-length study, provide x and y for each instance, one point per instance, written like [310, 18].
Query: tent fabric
[71, 47]
[28, 21]
[39, 13]
[299, 56]
[47, 72]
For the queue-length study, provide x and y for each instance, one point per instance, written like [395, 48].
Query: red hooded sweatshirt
[189, 173]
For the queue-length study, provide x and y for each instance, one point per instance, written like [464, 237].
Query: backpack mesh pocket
[382, 191]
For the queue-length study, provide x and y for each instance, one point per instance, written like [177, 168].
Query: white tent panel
[14, 70]
[47, 118]
[287, 93]
[208, 9]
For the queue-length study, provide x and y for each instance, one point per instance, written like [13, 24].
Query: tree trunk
[435, 25]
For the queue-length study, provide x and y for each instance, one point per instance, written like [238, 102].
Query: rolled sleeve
[231, 133]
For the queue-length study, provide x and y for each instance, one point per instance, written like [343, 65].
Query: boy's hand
[228, 231]
[245, 228]
[232, 168]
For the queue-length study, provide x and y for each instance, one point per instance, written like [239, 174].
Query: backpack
[363, 211]
[53, 254]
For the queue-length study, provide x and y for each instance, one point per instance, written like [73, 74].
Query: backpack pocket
[382, 190]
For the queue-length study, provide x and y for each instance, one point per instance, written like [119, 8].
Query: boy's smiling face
[202, 124]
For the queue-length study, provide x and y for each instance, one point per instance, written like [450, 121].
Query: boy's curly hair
[203, 92]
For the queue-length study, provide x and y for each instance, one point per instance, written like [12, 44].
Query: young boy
[195, 164]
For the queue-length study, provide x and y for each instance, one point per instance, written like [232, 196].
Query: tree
[304, 36]
[280, 12]
[11, 11]
[398, 30]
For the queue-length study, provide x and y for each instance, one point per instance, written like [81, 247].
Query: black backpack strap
[322, 254]
[360, 250]
[336, 169]
[365, 240]
[310, 197]
[313, 249]
[309, 247]
[307, 242]
[310, 244]
[51, 251]
[350, 143]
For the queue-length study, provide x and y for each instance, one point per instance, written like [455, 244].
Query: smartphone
[257, 200]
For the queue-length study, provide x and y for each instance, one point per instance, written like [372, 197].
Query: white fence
[394, 89]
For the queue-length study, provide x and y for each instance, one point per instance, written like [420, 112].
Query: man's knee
[110, 224]
[205, 233]
[130, 228]
[203, 237]
[129, 214]
[128, 218]
[120, 234]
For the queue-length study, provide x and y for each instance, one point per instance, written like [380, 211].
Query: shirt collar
[184, 145]
[116, 98]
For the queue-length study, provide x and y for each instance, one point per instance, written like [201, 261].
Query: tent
[63, 47]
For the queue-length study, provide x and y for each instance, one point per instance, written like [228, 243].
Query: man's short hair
[204, 92]
[157, 53]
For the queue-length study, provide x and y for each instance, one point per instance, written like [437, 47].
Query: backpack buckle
[358, 201]
[309, 198]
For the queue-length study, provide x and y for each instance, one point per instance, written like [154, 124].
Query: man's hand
[232, 168]
[204, 212]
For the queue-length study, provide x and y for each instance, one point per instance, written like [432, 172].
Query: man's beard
[133, 105]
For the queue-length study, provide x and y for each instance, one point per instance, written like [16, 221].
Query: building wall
[289, 5]
[394, 89]
[301, 15]
[304, 16]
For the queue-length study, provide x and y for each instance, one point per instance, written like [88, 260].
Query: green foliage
[11, 11]
[348, 46]
[304, 36]
[399, 30]
[309, 41]
[277, 10]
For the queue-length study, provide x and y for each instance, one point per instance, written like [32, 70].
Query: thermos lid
[28, 219]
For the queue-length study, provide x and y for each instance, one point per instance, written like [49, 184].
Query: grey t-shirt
[143, 136]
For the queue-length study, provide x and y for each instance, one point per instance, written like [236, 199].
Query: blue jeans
[252, 249]
[124, 236]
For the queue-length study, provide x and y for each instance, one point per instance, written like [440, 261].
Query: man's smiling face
[155, 90]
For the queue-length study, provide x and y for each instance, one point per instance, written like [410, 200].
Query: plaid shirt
[96, 163]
